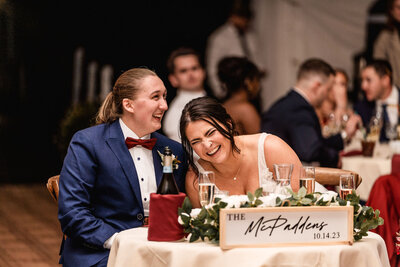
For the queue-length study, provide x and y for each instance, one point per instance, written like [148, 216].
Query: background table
[131, 248]
[369, 168]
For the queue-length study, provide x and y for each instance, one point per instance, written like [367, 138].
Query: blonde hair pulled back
[126, 86]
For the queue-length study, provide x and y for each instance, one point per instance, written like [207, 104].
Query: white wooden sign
[282, 226]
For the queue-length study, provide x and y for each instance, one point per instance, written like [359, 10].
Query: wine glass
[206, 188]
[283, 173]
[347, 185]
[307, 178]
[391, 131]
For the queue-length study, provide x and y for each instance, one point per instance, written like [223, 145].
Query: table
[369, 168]
[131, 248]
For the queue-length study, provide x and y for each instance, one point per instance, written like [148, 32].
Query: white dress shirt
[143, 160]
[392, 102]
[173, 115]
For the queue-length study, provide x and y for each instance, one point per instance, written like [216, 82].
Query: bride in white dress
[239, 162]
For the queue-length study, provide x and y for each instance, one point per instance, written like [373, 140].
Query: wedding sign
[294, 226]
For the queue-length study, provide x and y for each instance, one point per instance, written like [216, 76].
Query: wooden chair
[52, 186]
[330, 176]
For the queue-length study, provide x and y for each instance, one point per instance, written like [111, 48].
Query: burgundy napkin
[351, 153]
[163, 217]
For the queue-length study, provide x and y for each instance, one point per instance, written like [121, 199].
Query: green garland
[205, 223]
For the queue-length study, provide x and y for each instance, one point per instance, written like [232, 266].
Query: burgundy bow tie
[146, 143]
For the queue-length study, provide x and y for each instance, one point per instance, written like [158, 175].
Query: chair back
[52, 186]
[331, 176]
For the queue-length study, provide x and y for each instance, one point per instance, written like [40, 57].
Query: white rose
[270, 200]
[194, 213]
[235, 201]
[328, 196]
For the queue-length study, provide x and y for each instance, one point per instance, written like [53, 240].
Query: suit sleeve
[77, 180]
[309, 144]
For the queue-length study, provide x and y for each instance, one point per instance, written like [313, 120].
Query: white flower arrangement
[204, 223]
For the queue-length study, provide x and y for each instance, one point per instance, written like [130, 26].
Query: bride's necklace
[240, 166]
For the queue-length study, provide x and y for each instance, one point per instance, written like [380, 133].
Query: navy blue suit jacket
[100, 191]
[294, 120]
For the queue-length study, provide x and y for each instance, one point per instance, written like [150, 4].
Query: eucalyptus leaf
[306, 201]
[187, 206]
[302, 192]
[258, 192]
[258, 202]
[194, 237]
[203, 214]
[250, 196]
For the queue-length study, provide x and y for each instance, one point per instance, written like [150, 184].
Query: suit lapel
[115, 140]
[157, 160]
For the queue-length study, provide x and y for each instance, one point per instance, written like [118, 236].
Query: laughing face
[148, 106]
[208, 143]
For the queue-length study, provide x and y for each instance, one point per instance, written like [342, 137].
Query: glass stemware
[391, 131]
[206, 188]
[307, 178]
[347, 185]
[283, 174]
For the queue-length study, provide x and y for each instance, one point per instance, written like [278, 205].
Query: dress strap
[262, 165]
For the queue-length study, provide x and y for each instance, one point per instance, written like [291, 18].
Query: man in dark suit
[111, 169]
[293, 117]
[382, 97]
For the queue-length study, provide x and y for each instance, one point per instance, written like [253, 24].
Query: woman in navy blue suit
[111, 169]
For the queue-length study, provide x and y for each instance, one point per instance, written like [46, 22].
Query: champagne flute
[347, 185]
[391, 131]
[307, 178]
[283, 173]
[206, 188]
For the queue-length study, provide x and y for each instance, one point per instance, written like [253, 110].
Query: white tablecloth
[131, 248]
[369, 168]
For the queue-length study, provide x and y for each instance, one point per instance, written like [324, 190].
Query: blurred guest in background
[240, 162]
[387, 45]
[293, 117]
[382, 97]
[241, 80]
[335, 109]
[111, 169]
[234, 38]
[187, 75]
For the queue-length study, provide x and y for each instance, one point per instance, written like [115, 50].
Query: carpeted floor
[30, 233]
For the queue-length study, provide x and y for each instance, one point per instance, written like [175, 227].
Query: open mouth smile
[215, 150]
[158, 117]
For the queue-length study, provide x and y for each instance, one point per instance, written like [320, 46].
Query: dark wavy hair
[233, 73]
[209, 110]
